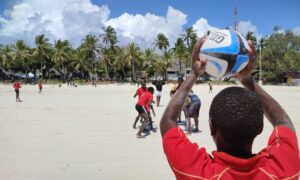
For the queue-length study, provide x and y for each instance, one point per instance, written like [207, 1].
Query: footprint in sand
[66, 167]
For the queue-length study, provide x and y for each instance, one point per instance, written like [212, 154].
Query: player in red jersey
[143, 109]
[40, 85]
[138, 93]
[17, 87]
[235, 119]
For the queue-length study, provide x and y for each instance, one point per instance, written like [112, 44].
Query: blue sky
[265, 14]
[140, 20]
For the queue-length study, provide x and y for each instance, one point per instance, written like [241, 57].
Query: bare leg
[136, 120]
[196, 124]
[188, 125]
[158, 100]
[144, 124]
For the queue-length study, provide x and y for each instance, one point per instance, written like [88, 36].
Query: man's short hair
[238, 114]
[151, 89]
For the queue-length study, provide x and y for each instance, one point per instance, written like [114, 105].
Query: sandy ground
[80, 133]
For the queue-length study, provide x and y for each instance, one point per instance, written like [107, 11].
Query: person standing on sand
[158, 85]
[142, 108]
[139, 93]
[173, 91]
[236, 117]
[192, 109]
[210, 88]
[40, 87]
[17, 87]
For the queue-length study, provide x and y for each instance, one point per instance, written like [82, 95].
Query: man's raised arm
[273, 111]
[174, 108]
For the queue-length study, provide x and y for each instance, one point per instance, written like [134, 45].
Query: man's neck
[244, 151]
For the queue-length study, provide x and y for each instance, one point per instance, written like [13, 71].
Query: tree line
[101, 57]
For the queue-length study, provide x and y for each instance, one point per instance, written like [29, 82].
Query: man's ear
[212, 128]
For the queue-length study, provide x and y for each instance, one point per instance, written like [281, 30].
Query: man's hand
[246, 72]
[198, 66]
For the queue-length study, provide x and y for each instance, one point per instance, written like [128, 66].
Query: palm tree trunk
[41, 68]
[180, 67]
[106, 70]
[133, 73]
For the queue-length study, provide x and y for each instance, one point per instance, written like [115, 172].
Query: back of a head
[151, 90]
[238, 114]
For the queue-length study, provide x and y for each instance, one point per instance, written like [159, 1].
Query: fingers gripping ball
[226, 52]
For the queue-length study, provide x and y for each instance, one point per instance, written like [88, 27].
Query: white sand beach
[85, 133]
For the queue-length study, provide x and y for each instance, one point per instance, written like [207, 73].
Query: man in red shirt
[40, 85]
[143, 109]
[138, 93]
[17, 87]
[235, 118]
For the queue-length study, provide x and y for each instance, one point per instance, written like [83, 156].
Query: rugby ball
[226, 52]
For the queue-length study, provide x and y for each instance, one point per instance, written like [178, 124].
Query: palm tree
[250, 36]
[41, 50]
[106, 57]
[180, 52]
[79, 62]
[189, 33]
[166, 62]
[90, 47]
[133, 54]
[21, 53]
[161, 42]
[110, 37]
[62, 54]
[7, 56]
[119, 62]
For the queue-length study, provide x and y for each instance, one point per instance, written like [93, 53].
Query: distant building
[291, 77]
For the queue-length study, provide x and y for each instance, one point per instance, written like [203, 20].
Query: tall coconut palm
[167, 62]
[133, 54]
[90, 47]
[180, 52]
[250, 36]
[42, 49]
[21, 53]
[7, 56]
[119, 62]
[106, 56]
[62, 54]
[161, 42]
[189, 33]
[79, 62]
[109, 37]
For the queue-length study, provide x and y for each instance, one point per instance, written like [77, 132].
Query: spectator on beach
[210, 88]
[235, 118]
[173, 91]
[158, 85]
[191, 110]
[17, 87]
[40, 87]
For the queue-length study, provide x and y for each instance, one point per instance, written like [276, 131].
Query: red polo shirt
[280, 160]
[145, 99]
[17, 86]
[141, 91]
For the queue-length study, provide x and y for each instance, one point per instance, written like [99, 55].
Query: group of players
[17, 86]
[144, 106]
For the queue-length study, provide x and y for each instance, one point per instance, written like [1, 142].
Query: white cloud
[68, 19]
[296, 30]
[143, 29]
[201, 27]
[246, 26]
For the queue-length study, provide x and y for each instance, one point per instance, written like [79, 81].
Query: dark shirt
[158, 85]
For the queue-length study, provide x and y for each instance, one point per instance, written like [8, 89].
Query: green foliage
[280, 52]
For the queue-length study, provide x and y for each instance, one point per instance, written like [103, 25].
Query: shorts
[140, 109]
[158, 93]
[192, 111]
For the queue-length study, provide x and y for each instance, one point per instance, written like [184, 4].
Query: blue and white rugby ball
[226, 52]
